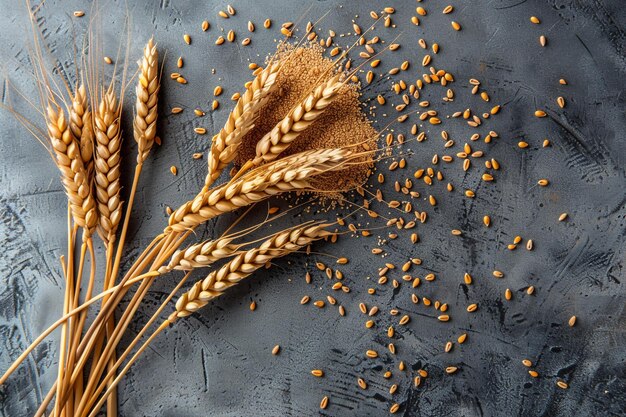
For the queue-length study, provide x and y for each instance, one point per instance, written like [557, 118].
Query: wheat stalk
[214, 285]
[147, 91]
[297, 120]
[240, 121]
[287, 174]
[73, 173]
[108, 143]
[200, 255]
[245, 264]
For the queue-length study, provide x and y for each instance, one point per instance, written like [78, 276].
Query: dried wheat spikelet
[80, 124]
[298, 119]
[147, 91]
[108, 135]
[73, 173]
[240, 121]
[286, 174]
[82, 129]
[244, 264]
[201, 255]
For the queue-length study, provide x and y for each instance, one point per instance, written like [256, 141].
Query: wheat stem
[107, 381]
[75, 331]
[78, 386]
[132, 360]
[95, 330]
[98, 366]
[69, 270]
[202, 292]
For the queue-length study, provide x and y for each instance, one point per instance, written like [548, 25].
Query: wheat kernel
[372, 354]
[324, 403]
[572, 321]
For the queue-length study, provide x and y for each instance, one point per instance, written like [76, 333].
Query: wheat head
[240, 121]
[200, 255]
[82, 129]
[106, 122]
[147, 91]
[244, 264]
[73, 173]
[299, 118]
[287, 174]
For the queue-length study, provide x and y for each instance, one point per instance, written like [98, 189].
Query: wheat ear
[82, 129]
[240, 121]
[73, 173]
[147, 91]
[287, 174]
[245, 264]
[200, 255]
[299, 118]
[108, 143]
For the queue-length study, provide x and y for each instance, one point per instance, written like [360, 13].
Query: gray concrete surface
[218, 362]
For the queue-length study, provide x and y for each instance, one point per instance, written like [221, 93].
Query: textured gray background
[218, 362]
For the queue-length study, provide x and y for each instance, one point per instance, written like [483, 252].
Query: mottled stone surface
[218, 362]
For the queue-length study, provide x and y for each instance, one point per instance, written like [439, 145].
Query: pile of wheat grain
[342, 123]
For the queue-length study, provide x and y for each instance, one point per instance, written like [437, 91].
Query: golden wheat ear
[107, 129]
[286, 174]
[299, 118]
[73, 174]
[244, 264]
[147, 91]
[240, 121]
